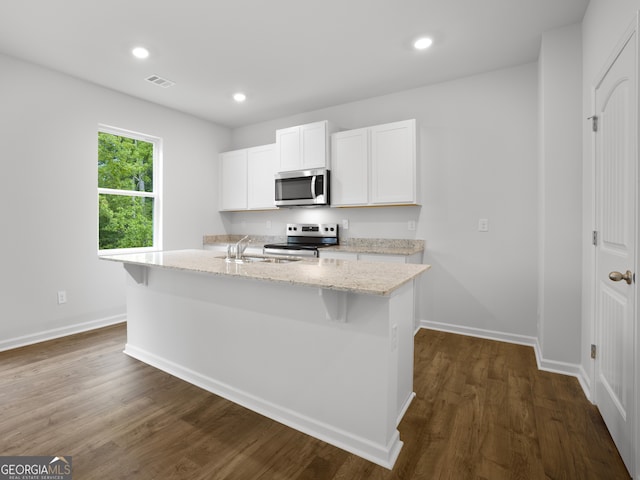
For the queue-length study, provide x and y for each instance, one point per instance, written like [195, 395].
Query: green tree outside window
[125, 195]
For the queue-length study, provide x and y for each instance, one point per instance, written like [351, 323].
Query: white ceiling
[288, 56]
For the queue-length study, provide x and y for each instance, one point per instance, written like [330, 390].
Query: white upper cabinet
[247, 178]
[262, 166]
[288, 149]
[375, 165]
[233, 180]
[303, 146]
[393, 163]
[350, 167]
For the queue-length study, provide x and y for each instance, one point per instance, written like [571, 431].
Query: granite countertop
[350, 276]
[383, 246]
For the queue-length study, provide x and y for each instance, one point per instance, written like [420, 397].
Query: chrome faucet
[236, 251]
[241, 246]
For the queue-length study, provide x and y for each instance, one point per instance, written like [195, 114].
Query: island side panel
[271, 348]
[402, 312]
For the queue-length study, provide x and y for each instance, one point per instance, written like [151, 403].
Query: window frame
[155, 194]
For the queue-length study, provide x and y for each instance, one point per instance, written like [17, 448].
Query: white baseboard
[571, 369]
[54, 333]
[480, 333]
[405, 407]
[383, 455]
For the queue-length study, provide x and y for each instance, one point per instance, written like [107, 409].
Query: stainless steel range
[304, 239]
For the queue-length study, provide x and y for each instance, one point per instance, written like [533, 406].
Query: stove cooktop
[306, 237]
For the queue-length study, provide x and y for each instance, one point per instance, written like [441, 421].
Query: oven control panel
[312, 230]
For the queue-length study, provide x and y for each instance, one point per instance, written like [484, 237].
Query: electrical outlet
[345, 224]
[62, 297]
[411, 225]
[483, 225]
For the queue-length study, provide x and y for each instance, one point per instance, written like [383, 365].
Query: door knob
[617, 276]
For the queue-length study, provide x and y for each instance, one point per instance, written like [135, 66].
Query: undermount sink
[261, 259]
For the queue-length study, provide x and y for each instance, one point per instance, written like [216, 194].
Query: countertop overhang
[371, 278]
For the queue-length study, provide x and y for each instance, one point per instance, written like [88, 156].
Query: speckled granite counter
[383, 246]
[350, 276]
[256, 240]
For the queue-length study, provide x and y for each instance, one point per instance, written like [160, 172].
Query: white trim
[126, 193]
[125, 251]
[128, 133]
[405, 407]
[383, 455]
[54, 333]
[480, 333]
[571, 369]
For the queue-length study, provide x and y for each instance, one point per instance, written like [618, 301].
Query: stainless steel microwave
[302, 188]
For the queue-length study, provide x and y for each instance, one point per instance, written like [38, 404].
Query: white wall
[48, 204]
[560, 194]
[477, 159]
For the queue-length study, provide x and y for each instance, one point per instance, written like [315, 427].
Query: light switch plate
[483, 225]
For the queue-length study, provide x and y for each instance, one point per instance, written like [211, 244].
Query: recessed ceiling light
[239, 97]
[422, 43]
[140, 52]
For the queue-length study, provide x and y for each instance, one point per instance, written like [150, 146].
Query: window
[129, 200]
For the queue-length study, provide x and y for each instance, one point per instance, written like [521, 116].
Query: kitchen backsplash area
[383, 222]
[399, 246]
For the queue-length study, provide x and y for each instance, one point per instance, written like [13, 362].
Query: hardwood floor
[482, 411]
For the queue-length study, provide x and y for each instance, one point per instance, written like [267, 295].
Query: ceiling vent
[161, 82]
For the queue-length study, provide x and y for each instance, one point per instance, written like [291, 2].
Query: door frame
[634, 28]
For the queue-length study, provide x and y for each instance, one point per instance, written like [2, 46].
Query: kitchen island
[323, 346]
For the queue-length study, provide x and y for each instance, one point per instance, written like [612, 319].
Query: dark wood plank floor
[482, 411]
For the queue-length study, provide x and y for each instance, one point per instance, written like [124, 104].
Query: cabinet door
[233, 180]
[333, 255]
[262, 165]
[313, 147]
[350, 167]
[393, 163]
[288, 149]
[376, 257]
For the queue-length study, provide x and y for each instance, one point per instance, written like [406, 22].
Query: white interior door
[616, 197]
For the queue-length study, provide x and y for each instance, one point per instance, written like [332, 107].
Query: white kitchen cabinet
[378, 257]
[370, 257]
[350, 167]
[261, 167]
[374, 257]
[303, 146]
[247, 178]
[331, 254]
[393, 163]
[233, 180]
[375, 165]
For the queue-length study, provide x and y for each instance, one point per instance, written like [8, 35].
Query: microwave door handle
[313, 186]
